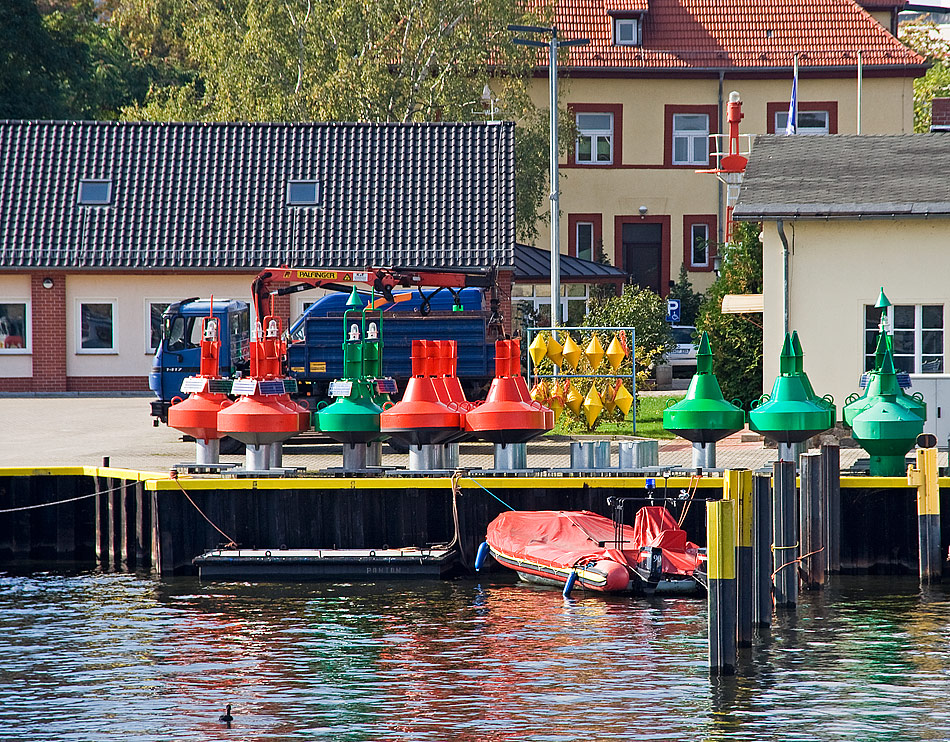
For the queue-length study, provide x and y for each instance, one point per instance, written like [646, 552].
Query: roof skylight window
[303, 193]
[94, 192]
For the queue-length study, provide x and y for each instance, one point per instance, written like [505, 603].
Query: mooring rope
[231, 541]
[489, 492]
[62, 502]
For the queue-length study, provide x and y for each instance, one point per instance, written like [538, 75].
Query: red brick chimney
[940, 112]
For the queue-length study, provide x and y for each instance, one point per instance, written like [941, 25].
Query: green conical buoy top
[882, 301]
[798, 354]
[704, 356]
[354, 300]
[786, 361]
[884, 345]
[703, 416]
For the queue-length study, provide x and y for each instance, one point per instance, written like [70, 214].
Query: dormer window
[94, 192]
[627, 31]
[303, 193]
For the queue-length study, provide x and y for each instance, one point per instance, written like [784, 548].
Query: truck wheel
[231, 446]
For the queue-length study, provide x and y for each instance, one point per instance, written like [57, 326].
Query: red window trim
[617, 110]
[620, 220]
[710, 221]
[668, 112]
[572, 219]
[831, 106]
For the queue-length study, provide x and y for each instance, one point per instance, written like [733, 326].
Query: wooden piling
[812, 524]
[762, 551]
[737, 487]
[785, 547]
[923, 475]
[721, 548]
[831, 497]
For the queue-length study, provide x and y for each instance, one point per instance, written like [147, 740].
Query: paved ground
[56, 431]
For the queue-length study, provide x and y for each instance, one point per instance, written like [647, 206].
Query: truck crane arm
[382, 280]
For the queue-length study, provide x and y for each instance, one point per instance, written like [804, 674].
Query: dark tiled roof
[731, 34]
[214, 195]
[532, 263]
[846, 176]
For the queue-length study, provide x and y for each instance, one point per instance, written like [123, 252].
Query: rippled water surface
[95, 657]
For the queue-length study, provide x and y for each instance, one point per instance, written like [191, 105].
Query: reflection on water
[118, 657]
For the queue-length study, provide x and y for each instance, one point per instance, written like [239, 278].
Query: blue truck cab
[179, 352]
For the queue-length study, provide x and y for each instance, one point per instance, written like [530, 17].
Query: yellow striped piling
[721, 554]
[737, 487]
[923, 476]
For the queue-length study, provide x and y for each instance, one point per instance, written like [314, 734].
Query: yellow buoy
[608, 398]
[573, 399]
[554, 350]
[594, 352]
[538, 348]
[623, 399]
[571, 354]
[615, 353]
[556, 402]
[592, 406]
[539, 392]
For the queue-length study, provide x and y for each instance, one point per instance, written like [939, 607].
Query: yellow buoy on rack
[554, 350]
[592, 406]
[539, 392]
[556, 401]
[615, 353]
[573, 399]
[594, 352]
[608, 398]
[623, 399]
[538, 348]
[571, 354]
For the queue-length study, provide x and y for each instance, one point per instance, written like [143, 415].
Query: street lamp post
[553, 44]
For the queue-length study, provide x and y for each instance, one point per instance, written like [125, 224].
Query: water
[96, 657]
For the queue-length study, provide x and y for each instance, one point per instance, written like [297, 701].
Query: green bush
[736, 338]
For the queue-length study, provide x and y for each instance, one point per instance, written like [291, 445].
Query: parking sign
[673, 310]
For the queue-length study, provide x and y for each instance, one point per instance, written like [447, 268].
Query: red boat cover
[562, 537]
[655, 526]
[552, 537]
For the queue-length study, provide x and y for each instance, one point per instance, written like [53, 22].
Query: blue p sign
[673, 310]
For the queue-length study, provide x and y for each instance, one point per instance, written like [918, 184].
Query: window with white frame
[585, 240]
[153, 324]
[15, 326]
[96, 326]
[917, 337]
[594, 144]
[809, 122]
[531, 303]
[699, 245]
[690, 139]
[94, 192]
[627, 31]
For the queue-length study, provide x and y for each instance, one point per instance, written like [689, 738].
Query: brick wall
[107, 384]
[940, 112]
[48, 333]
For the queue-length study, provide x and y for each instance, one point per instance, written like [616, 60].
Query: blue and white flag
[791, 126]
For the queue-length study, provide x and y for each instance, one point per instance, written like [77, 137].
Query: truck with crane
[414, 304]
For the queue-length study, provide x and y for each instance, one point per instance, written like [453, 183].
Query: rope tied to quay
[62, 502]
[231, 542]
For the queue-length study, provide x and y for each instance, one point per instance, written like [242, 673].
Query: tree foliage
[641, 309]
[924, 38]
[736, 338]
[61, 60]
[342, 60]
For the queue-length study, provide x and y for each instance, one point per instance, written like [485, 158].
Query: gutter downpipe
[721, 215]
[781, 233]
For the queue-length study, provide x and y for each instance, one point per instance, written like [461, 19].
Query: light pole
[552, 45]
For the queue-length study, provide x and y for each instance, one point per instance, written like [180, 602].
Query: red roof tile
[755, 34]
